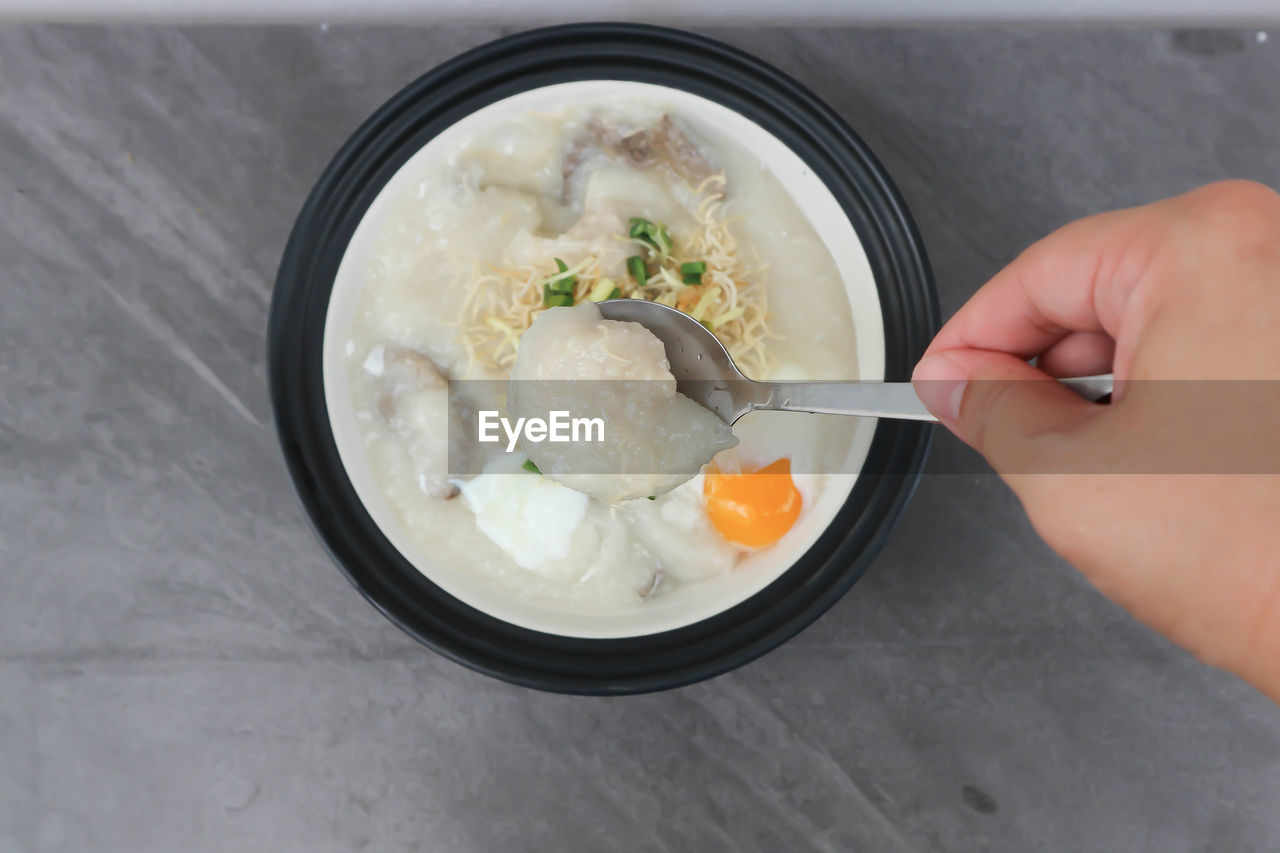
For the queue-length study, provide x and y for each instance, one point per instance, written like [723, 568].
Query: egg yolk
[752, 509]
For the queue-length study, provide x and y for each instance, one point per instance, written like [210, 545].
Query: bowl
[698, 631]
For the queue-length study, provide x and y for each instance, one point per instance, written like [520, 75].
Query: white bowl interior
[688, 604]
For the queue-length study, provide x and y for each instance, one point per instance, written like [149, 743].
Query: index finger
[1077, 279]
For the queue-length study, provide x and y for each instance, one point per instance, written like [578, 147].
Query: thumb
[1015, 415]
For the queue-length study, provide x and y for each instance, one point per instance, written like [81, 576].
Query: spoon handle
[895, 400]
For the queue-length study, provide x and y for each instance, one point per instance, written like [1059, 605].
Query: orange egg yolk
[752, 509]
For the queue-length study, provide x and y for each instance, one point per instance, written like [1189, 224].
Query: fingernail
[940, 384]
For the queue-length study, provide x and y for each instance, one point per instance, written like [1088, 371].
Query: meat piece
[669, 146]
[414, 402]
[662, 146]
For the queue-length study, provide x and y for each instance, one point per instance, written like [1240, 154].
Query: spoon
[706, 374]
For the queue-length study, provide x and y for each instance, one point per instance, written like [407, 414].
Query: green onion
[653, 497]
[635, 266]
[604, 289]
[691, 272]
[654, 234]
[555, 299]
[566, 281]
[567, 274]
[530, 467]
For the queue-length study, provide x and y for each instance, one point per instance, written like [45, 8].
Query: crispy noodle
[502, 302]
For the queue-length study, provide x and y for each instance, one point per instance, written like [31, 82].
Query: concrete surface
[181, 669]
[705, 12]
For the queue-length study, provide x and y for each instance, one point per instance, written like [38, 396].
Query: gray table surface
[181, 668]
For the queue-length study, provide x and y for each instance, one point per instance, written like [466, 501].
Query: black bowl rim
[399, 128]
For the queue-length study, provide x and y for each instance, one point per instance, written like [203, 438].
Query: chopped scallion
[569, 274]
[654, 234]
[555, 299]
[653, 497]
[566, 281]
[635, 266]
[529, 466]
[691, 272]
[604, 289]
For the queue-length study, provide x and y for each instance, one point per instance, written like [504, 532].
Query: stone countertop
[181, 668]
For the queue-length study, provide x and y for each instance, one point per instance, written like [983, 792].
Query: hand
[1183, 289]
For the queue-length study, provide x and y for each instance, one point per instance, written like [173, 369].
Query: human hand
[1183, 289]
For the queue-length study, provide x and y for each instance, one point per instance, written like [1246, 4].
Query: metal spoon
[706, 374]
